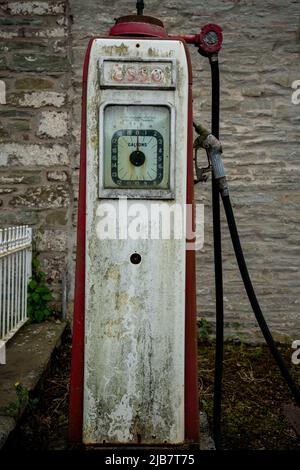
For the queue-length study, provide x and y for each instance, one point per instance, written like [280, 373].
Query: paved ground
[44, 424]
[27, 358]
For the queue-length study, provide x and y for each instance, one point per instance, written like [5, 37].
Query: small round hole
[137, 45]
[135, 258]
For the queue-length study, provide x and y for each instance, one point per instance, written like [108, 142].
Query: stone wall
[41, 56]
[35, 128]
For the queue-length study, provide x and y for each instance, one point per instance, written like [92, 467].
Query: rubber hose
[215, 122]
[253, 299]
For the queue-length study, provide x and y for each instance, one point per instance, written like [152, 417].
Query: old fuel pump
[134, 357]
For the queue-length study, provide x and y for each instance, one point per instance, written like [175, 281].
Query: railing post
[15, 272]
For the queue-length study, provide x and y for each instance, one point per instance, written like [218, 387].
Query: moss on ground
[253, 396]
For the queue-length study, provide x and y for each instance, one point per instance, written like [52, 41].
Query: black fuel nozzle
[213, 149]
[202, 173]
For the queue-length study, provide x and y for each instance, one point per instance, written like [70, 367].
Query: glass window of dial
[137, 147]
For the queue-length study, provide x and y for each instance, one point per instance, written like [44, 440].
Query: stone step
[28, 356]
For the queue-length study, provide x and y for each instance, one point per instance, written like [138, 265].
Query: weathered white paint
[134, 314]
[33, 155]
[35, 8]
[53, 124]
[49, 32]
[36, 99]
[8, 34]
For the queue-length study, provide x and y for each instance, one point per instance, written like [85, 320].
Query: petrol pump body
[134, 372]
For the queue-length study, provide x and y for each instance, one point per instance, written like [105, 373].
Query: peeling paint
[115, 50]
[152, 52]
[112, 274]
[43, 98]
[134, 355]
[53, 124]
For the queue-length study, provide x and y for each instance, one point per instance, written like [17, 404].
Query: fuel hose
[253, 299]
[215, 152]
[218, 374]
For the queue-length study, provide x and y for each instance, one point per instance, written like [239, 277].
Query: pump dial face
[136, 147]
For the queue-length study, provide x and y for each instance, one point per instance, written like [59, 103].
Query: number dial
[136, 147]
[137, 157]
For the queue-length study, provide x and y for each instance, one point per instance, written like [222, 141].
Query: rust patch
[112, 328]
[153, 52]
[122, 298]
[116, 50]
[113, 274]
[156, 53]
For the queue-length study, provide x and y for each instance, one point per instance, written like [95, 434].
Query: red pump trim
[77, 363]
[206, 48]
[199, 39]
[191, 350]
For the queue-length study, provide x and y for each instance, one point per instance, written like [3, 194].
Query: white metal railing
[15, 271]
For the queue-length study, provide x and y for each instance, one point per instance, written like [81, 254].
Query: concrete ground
[28, 355]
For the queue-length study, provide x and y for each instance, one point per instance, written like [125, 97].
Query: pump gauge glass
[136, 149]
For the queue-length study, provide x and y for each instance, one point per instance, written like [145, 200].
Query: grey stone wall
[35, 128]
[41, 56]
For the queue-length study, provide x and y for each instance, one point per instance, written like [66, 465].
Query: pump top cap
[138, 25]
